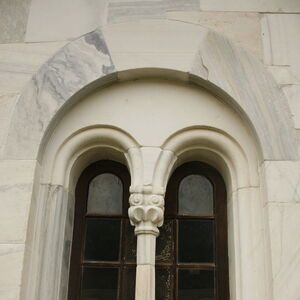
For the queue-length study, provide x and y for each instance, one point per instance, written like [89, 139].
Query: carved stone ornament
[146, 212]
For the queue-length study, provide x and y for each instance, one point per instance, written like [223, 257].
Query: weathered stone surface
[282, 179]
[153, 43]
[293, 95]
[283, 75]
[284, 225]
[18, 62]
[60, 20]
[121, 11]
[253, 90]
[253, 5]
[281, 40]
[242, 28]
[7, 102]
[16, 180]
[11, 261]
[72, 68]
[13, 20]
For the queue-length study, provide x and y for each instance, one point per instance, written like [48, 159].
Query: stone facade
[151, 84]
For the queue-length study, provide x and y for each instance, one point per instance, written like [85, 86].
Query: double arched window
[191, 252]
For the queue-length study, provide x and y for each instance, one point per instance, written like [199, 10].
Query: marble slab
[293, 95]
[11, 262]
[283, 75]
[7, 102]
[153, 44]
[242, 28]
[13, 20]
[253, 5]
[282, 180]
[75, 66]
[281, 40]
[124, 11]
[16, 180]
[63, 19]
[284, 225]
[18, 62]
[254, 90]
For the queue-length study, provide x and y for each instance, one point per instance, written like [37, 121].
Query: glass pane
[196, 241]
[164, 278]
[99, 283]
[130, 243]
[128, 291]
[165, 242]
[195, 196]
[195, 284]
[102, 240]
[105, 195]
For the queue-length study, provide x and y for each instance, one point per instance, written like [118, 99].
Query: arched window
[191, 256]
[103, 255]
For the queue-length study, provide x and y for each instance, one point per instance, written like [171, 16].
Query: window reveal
[104, 246]
[191, 257]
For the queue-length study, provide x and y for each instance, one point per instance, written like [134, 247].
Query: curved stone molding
[219, 65]
[207, 140]
[238, 167]
[93, 138]
[146, 212]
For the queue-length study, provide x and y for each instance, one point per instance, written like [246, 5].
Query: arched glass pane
[105, 195]
[195, 196]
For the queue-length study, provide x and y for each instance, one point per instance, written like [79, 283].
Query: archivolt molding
[95, 138]
[219, 65]
[241, 166]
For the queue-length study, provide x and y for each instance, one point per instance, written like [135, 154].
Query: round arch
[220, 66]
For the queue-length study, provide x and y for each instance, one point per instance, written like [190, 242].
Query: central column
[146, 213]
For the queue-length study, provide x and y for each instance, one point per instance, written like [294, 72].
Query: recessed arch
[222, 68]
[238, 167]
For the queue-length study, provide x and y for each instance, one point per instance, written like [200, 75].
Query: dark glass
[105, 195]
[164, 284]
[165, 242]
[196, 241]
[195, 284]
[130, 242]
[102, 241]
[99, 283]
[195, 196]
[128, 291]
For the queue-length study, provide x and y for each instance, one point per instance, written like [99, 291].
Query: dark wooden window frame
[220, 216]
[81, 196]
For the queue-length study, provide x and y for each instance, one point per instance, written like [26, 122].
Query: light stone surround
[85, 64]
[54, 210]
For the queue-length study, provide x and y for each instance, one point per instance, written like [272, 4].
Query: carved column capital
[146, 212]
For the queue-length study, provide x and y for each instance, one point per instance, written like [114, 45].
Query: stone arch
[48, 245]
[218, 65]
[238, 166]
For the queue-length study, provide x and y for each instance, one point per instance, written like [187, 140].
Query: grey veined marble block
[74, 67]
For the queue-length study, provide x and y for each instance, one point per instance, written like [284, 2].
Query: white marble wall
[267, 29]
[16, 182]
